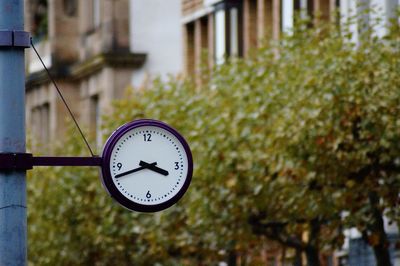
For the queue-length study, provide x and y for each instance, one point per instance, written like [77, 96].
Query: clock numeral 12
[148, 195]
[147, 137]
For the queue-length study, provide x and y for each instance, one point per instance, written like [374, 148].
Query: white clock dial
[156, 169]
[148, 166]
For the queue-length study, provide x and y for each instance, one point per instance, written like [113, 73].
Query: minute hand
[154, 168]
[133, 170]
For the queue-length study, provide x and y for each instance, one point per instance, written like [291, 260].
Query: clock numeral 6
[148, 195]
[176, 166]
[119, 165]
[147, 137]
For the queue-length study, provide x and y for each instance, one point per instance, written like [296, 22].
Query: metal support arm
[26, 161]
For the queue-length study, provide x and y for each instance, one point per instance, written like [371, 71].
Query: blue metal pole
[13, 221]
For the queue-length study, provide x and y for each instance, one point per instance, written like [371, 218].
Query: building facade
[95, 50]
[226, 28]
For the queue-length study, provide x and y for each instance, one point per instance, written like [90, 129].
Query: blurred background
[291, 108]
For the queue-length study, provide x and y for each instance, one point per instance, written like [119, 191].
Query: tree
[284, 144]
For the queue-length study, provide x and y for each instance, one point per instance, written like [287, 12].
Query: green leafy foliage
[283, 143]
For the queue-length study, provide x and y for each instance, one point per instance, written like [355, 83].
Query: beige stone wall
[63, 32]
[112, 33]
[190, 6]
[105, 86]
[90, 62]
[46, 114]
[265, 17]
[250, 25]
[322, 9]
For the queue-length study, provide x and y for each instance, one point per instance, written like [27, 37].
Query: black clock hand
[154, 168]
[134, 170]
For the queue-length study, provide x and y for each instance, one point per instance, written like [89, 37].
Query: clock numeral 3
[147, 137]
[148, 195]
[176, 166]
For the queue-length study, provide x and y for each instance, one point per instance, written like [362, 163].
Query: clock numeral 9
[176, 166]
[147, 137]
[148, 195]
[119, 165]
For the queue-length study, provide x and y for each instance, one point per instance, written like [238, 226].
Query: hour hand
[134, 170]
[154, 168]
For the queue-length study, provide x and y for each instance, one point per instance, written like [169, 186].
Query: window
[303, 8]
[201, 46]
[44, 123]
[291, 9]
[39, 10]
[189, 49]
[36, 123]
[227, 30]
[70, 7]
[40, 123]
[307, 8]
[204, 32]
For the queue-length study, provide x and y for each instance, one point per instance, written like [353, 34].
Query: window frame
[227, 7]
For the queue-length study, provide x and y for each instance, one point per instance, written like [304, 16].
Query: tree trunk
[232, 257]
[283, 256]
[312, 255]
[381, 249]
[382, 256]
[312, 249]
[298, 260]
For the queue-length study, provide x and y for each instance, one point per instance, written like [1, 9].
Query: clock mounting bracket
[26, 161]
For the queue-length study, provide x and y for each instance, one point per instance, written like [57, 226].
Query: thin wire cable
[62, 98]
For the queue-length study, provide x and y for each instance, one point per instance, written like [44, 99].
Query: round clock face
[147, 166]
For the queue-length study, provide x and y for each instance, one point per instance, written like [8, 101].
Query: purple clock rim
[106, 178]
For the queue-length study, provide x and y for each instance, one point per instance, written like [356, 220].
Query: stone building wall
[191, 6]
[87, 51]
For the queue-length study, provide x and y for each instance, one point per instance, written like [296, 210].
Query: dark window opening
[190, 56]
[40, 18]
[70, 7]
